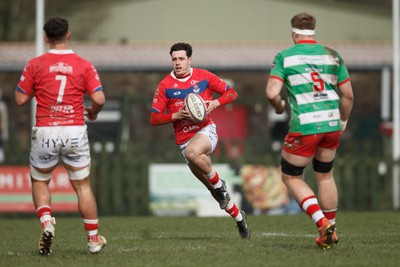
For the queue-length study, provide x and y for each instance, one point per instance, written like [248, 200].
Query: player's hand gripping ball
[196, 107]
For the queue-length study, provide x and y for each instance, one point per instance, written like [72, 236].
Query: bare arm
[98, 100]
[273, 90]
[346, 100]
[346, 103]
[21, 98]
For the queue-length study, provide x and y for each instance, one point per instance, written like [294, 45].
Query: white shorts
[48, 144]
[210, 131]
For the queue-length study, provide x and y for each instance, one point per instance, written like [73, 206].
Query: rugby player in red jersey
[196, 141]
[59, 80]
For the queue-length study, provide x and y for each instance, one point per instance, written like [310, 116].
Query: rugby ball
[196, 107]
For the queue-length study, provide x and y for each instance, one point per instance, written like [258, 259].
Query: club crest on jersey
[192, 82]
[196, 89]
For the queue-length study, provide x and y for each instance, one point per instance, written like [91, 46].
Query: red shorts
[307, 145]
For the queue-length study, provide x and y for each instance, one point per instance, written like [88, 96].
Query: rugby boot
[222, 195]
[46, 238]
[96, 247]
[326, 235]
[243, 227]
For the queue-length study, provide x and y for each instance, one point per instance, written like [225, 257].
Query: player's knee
[79, 174]
[290, 169]
[190, 154]
[322, 167]
[38, 175]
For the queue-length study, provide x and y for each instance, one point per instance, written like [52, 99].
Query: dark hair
[56, 28]
[182, 46]
[303, 21]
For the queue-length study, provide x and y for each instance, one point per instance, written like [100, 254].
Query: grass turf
[366, 239]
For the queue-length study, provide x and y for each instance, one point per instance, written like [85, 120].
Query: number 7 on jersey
[61, 90]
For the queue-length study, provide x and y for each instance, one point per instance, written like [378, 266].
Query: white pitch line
[285, 234]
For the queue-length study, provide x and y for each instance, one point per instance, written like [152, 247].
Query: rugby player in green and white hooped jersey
[321, 99]
[311, 73]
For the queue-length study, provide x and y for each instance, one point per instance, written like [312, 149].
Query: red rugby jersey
[172, 91]
[59, 80]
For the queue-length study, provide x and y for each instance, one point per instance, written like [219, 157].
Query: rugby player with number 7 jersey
[196, 140]
[59, 80]
[320, 97]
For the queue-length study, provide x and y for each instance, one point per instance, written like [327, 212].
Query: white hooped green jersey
[311, 73]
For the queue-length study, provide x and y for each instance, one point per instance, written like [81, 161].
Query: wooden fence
[120, 179]
[364, 181]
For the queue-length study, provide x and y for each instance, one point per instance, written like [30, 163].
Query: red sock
[43, 210]
[330, 215]
[91, 227]
[213, 177]
[311, 207]
[44, 214]
[233, 211]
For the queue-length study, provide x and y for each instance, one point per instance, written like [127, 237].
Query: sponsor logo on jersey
[190, 128]
[314, 68]
[59, 123]
[320, 96]
[62, 68]
[46, 157]
[333, 123]
[179, 103]
[317, 116]
[312, 60]
[177, 93]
